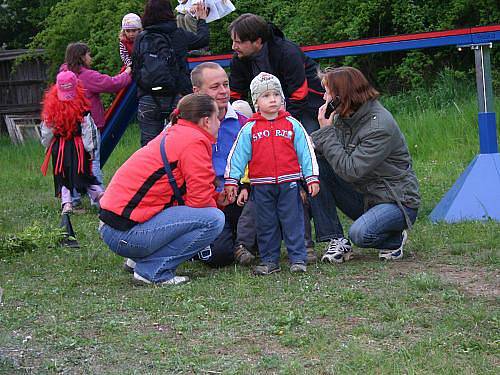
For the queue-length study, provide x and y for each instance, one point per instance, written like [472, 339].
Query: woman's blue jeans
[166, 240]
[380, 227]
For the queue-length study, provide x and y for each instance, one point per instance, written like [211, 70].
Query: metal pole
[487, 119]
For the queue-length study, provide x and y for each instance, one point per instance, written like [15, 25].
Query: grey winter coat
[369, 151]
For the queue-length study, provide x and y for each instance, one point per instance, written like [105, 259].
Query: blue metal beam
[367, 46]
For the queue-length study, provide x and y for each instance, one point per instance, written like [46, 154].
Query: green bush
[33, 237]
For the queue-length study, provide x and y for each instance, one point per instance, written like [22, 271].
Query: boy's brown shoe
[243, 256]
[311, 255]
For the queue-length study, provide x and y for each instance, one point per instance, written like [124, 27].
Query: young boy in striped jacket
[279, 154]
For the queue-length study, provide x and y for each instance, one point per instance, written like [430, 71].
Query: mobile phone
[331, 106]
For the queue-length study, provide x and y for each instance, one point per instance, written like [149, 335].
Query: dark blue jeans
[223, 246]
[153, 114]
[277, 204]
[246, 233]
[380, 227]
[309, 120]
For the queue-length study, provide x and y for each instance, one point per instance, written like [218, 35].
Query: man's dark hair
[250, 27]
[156, 11]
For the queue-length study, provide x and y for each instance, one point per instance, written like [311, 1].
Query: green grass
[76, 311]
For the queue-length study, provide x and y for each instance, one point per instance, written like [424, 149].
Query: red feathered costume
[72, 165]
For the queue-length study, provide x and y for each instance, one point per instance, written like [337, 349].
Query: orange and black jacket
[297, 73]
[140, 188]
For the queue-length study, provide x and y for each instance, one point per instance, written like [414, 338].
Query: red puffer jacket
[140, 188]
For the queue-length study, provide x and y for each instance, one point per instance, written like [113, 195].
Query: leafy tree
[305, 22]
[96, 22]
[20, 20]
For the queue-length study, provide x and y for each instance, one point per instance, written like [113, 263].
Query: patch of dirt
[474, 281]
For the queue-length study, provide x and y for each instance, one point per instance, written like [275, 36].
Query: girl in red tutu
[69, 134]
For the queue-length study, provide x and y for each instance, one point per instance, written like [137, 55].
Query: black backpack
[154, 64]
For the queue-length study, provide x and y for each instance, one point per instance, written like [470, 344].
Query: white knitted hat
[263, 82]
[131, 21]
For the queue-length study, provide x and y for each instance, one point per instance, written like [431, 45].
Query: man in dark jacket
[261, 47]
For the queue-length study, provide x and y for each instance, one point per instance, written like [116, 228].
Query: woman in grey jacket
[365, 170]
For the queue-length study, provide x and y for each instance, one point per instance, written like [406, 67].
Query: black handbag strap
[171, 179]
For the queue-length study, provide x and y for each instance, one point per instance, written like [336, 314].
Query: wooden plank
[21, 128]
[19, 108]
[20, 82]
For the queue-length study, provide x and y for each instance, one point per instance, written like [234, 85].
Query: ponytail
[193, 107]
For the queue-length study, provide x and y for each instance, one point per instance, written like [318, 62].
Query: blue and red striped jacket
[276, 151]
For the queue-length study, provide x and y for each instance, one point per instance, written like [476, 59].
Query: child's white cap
[242, 107]
[263, 82]
[131, 21]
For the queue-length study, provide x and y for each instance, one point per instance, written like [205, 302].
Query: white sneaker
[339, 250]
[129, 265]
[173, 281]
[394, 254]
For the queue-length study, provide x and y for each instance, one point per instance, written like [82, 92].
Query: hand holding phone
[331, 106]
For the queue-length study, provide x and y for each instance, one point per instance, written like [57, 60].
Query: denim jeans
[380, 227]
[308, 239]
[277, 204]
[166, 240]
[223, 246]
[309, 120]
[246, 234]
[152, 115]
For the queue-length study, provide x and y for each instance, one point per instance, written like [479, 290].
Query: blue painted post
[486, 116]
[476, 193]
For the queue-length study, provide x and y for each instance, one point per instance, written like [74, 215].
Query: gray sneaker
[266, 269]
[298, 268]
[394, 254]
[176, 280]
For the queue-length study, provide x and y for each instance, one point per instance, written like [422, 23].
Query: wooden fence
[21, 85]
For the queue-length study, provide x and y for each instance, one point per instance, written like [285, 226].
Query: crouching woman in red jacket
[159, 221]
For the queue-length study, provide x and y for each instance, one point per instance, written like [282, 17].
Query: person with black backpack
[159, 64]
